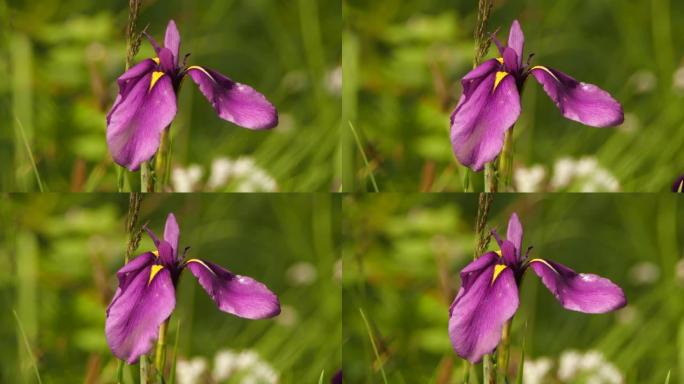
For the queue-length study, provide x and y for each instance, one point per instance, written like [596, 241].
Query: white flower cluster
[571, 175]
[246, 366]
[240, 175]
[590, 367]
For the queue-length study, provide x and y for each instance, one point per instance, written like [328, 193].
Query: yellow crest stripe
[155, 253]
[499, 76]
[544, 262]
[500, 60]
[153, 272]
[156, 60]
[497, 271]
[156, 75]
[543, 68]
[201, 263]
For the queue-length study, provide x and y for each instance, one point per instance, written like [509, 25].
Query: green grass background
[403, 61]
[60, 254]
[403, 253]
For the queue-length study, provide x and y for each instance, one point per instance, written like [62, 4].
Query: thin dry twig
[134, 234]
[482, 236]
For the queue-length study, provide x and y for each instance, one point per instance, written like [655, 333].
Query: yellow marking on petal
[156, 75]
[201, 69]
[546, 70]
[500, 60]
[153, 272]
[499, 76]
[498, 253]
[156, 60]
[680, 189]
[497, 271]
[155, 253]
[545, 263]
[202, 263]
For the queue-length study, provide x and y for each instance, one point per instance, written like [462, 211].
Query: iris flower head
[146, 103]
[490, 101]
[146, 295]
[488, 296]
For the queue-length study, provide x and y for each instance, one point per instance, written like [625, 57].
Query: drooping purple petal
[238, 103]
[516, 40]
[582, 102]
[489, 106]
[138, 118]
[514, 233]
[129, 79]
[172, 40]
[172, 232]
[582, 292]
[129, 271]
[239, 295]
[134, 316]
[487, 299]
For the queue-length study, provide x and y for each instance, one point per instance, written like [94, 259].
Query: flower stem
[160, 353]
[491, 177]
[162, 160]
[146, 178]
[489, 371]
[506, 162]
[503, 349]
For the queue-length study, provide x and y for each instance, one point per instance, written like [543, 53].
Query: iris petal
[172, 233]
[515, 233]
[239, 295]
[139, 306]
[172, 40]
[483, 304]
[138, 117]
[238, 103]
[483, 115]
[582, 102]
[582, 292]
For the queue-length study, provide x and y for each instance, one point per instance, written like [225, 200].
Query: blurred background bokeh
[60, 254]
[61, 60]
[403, 253]
[403, 61]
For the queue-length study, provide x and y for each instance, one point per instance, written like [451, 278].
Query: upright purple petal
[238, 103]
[239, 295]
[582, 292]
[509, 254]
[487, 299]
[172, 40]
[515, 233]
[511, 60]
[166, 254]
[136, 312]
[172, 233]
[516, 40]
[166, 61]
[137, 119]
[582, 102]
[489, 106]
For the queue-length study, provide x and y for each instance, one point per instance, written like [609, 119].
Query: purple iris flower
[490, 102]
[146, 103]
[337, 379]
[488, 296]
[146, 295]
[678, 185]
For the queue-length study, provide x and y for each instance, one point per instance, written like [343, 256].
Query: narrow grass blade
[30, 154]
[172, 375]
[375, 347]
[365, 159]
[28, 346]
[667, 379]
[320, 378]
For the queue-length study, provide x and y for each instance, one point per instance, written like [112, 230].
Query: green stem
[506, 162]
[491, 177]
[144, 370]
[146, 178]
[489, 371]
[160, 354]
[162, 160]
[503, 349]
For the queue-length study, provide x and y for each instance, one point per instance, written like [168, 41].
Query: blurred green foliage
[63, 58]
[61, 253]
[403, 61]
[403, 253]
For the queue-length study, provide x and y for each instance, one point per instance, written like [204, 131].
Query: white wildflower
[585, 175]
[529, 179]
[645, 272]
[191, 371]
[302, 273]
[186, 179]
[536, 371]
